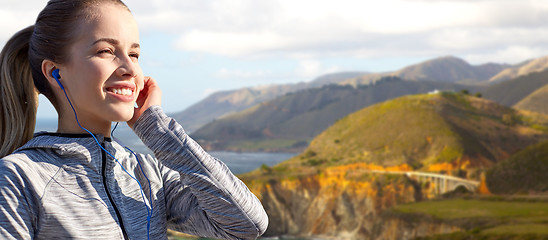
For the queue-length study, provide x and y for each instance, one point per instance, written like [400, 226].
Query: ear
[47, 69]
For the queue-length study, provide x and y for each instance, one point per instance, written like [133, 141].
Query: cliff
[344, 202]
[332, 203]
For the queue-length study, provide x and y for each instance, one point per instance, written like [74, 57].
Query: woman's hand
[150, 95]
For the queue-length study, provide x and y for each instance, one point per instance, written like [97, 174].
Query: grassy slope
[426, 129]
[488, 218]
[524, 172]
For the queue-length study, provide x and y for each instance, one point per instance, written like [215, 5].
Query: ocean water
[238, 162]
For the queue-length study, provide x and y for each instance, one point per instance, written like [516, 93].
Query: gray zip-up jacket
[60, 186]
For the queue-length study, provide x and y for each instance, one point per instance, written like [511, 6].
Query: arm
[224, 202]
[220, 205]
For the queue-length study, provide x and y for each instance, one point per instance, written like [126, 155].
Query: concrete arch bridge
[442, 183]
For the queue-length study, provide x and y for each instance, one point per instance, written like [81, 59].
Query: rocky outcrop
[341, 203]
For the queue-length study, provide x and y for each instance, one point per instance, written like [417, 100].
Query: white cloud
[351, 28]
[208, 92]
[16, 15]
[232, 43]
[310, 29]
[309, 69]
[511, 54]
[226, 73]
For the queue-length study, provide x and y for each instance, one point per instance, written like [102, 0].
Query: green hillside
[510, 92]
[292, 120]
[536, 101]
[422, 130]
[524, 172]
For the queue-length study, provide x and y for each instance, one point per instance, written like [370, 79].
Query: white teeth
[122, 91]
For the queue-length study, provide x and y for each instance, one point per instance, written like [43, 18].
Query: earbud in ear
[55, 74]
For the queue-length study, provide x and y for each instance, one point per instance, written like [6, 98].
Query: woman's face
[102, 76]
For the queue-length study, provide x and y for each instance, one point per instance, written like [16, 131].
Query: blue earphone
[55, 74]
[149, 208]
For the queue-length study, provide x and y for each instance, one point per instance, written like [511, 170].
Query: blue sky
[196, 47]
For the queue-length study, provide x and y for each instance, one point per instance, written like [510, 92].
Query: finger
[142, 96]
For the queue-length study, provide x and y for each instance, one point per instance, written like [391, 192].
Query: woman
[77, 182]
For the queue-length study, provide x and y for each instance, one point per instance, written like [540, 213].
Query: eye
[134, 55]
[105, 51]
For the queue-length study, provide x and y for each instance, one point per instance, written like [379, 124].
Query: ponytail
[18, 96]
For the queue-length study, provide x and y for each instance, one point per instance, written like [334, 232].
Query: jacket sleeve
[221, 206]
[15, 210]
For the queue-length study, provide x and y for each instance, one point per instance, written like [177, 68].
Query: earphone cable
[149, 210]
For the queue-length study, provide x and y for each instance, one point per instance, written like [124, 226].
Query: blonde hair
[18, 96]
[21, 76]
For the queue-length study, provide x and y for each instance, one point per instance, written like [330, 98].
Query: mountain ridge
[221, 103]
[445, 69]
[512, 91]
[439, 69]
[521, 69]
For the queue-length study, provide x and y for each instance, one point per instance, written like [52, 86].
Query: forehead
[108, 21]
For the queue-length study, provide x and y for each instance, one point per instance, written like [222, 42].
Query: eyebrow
[114, 42]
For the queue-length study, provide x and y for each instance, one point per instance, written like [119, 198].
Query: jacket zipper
[104, 175]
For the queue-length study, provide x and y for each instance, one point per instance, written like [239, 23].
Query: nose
[128, 68]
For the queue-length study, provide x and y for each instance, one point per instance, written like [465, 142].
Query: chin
[124, 116]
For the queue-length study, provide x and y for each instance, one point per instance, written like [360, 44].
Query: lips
[124, 91]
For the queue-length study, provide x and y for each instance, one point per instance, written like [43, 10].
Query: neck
[67, 124]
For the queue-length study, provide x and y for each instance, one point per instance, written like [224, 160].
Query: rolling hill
[513, 91]
[291, 121]
[423, 130]
[522, 173]
[536, 101]
[527, 67]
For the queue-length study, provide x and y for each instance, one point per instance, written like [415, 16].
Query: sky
[196, 47]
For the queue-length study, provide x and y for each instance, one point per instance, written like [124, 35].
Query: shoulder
[17, 164]
[14, 162]
[12, 172]
[27, 166]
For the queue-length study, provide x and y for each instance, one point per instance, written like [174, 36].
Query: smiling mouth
[121, 91]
